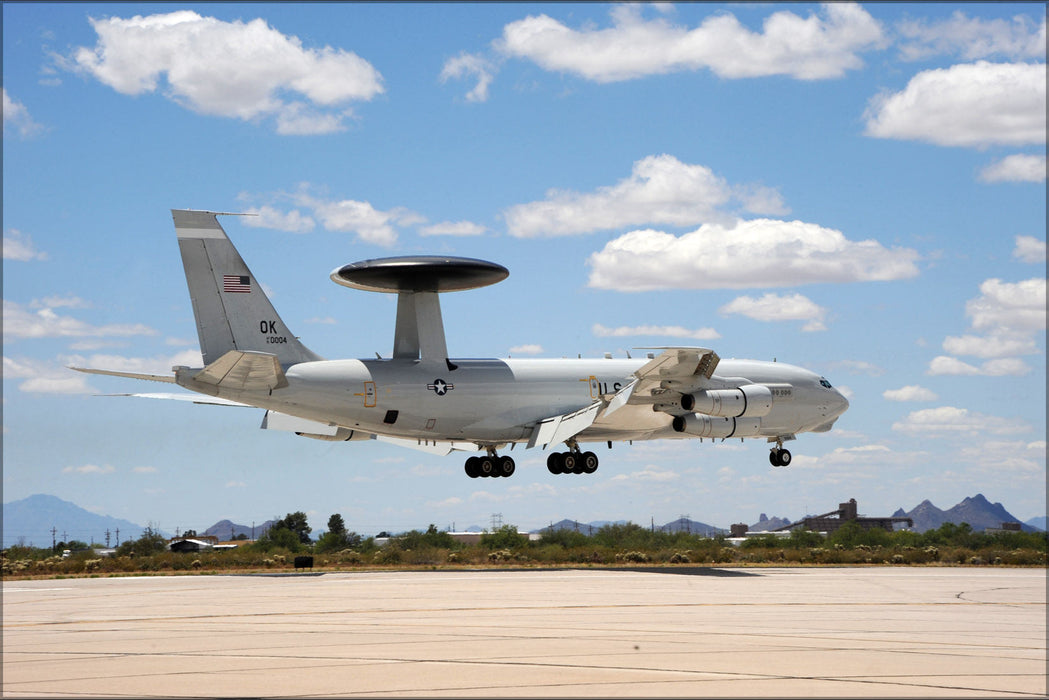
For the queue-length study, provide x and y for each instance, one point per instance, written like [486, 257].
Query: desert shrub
[390, 554]
[505, 537]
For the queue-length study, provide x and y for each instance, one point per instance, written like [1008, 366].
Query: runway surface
[840, 632]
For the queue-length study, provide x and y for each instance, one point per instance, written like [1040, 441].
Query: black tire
[555, 464]
[486, 466]
[507, 466]
[568, 459]
[472, 467]
[774, 458]
[784, 458]
[589, 462]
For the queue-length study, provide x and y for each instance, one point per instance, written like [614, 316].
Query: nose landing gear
[779, 457]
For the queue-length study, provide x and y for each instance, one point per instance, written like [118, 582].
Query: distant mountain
[229, 530]
[975, 510]
[586, 528]
[1037, 523]
[693, 526]
[767, 524]
[925, 515]
[565, 525]
[29, 521]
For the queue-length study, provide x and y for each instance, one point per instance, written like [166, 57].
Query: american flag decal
[236, 284]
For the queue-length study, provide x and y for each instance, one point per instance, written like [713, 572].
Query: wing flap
[555, 429]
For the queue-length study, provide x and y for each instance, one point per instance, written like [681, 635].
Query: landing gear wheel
[588, 462]
[486, 466]
[569, 462]
[555, 464]
[779, 457]
[506, 466]
[473, 467]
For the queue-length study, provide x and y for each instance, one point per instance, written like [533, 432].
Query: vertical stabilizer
[231, 309]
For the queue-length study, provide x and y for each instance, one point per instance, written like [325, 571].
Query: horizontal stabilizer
[247, 371]
[129, 375]
[560, 428]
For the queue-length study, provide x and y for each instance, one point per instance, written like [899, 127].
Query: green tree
[151, 542]
[505, 537]
[296, 522]
[336, 524]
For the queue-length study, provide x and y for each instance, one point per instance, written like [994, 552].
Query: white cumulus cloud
[241, 70]
[951, 421]
[819, 46]
[269, 217]
[470, 65]
[17, 117]
[527, 349]
[911, 392]
[90, 469]
[972, 38]
[1015, 168]
[757, 253]
[19, 246]
[972, 104]
[453, 228]
[774, 307]
[660, 190]
[1001, 367]
[20, 322]
[1029, 249]
[665, 331]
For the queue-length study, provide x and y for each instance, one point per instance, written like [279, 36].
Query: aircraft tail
[231, 308]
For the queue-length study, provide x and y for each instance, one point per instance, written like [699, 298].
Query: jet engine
[746, 401]
[701, 425]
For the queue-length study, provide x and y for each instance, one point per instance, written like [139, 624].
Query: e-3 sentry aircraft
[424, 399]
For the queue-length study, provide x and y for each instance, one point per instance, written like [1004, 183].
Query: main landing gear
[490, 465]
[572, 462]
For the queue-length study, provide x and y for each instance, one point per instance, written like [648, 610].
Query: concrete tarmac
[813, 632]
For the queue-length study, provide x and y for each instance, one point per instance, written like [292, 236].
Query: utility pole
[107, 538]
[118, 536]
[54, 542]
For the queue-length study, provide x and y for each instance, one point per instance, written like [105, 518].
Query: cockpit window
[824, 383]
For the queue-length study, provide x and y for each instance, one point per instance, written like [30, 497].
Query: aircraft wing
[675, 370]
[683, 368]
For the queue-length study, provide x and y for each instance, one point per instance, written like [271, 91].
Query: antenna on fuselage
[417, 281]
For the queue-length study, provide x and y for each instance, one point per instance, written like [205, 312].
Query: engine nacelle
[341, 435]
[701, 425]
[749, 400]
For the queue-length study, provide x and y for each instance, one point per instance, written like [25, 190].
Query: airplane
[421, 398]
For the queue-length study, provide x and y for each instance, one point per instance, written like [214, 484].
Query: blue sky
[857, 189]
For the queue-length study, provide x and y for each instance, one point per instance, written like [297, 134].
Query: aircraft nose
[843, 403]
